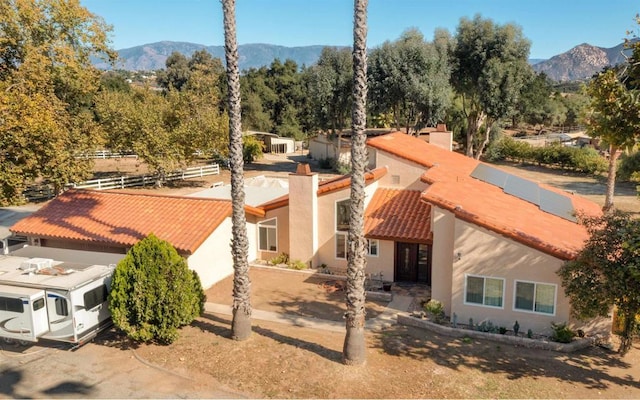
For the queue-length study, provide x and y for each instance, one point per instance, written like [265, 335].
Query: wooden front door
[413, 263]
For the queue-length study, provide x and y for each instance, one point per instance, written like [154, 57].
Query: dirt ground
[282, 361]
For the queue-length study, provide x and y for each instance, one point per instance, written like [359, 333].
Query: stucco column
[303, 215]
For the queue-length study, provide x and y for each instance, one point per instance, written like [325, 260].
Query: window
[372, 247]
[38, 304]
[268, 235]
[535, 297]
[61, 306]
[484, 291]
[341, 245]
[11, 304]
[95, 297]
[343, 210]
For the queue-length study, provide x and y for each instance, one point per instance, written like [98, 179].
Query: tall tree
[614, 117]
[409, 78]
[606, 273]
[47, 82]
[241, 323]
[490, 64]
[330, 86]
[354, 349]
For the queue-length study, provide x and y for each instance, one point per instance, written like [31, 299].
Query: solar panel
[523, 188]
[490, 175]
[557, 204]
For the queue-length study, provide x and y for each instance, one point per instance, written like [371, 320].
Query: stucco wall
[443, 228]
[384, 262]
[402, 174]
[326, 253]
[303, 218]
[282, 226]
[212, 261]
[484, 253]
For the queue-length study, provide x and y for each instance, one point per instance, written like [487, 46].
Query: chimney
[303, 214]
[441, 137]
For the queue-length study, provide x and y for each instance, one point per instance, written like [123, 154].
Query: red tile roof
[328, 186]
[124, 218]
[399, 215]
[452, 188]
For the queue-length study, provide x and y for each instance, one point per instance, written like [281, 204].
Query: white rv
[42, 298]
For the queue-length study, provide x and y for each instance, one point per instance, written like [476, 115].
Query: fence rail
[45, 192]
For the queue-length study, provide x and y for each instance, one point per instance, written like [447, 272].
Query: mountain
[152, 56]
[581, 62]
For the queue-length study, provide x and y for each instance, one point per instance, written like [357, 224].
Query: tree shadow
[221, 327]
[69, 388]
[9, 379]
[588, 367]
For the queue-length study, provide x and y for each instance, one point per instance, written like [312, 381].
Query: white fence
[103, 154]
[144, 180]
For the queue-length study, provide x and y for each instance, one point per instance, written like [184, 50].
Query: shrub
[251, 149]
[297, 264]
[153, 292]
[435, 310]
[282, 258]
[326, 163]
[628, 165]
[562, 333]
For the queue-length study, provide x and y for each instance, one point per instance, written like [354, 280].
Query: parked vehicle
[44, 299]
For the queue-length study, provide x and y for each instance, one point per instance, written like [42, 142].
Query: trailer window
[95, 297]
[61, 306]
[38, 304]
[11, 304]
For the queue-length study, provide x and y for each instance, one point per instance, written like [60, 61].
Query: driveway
[100, 369]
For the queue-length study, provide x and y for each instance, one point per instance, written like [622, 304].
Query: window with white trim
[341, 245]
[343, 211]
[268, 235]
[535, 297]
[484, 291]
[372, 247]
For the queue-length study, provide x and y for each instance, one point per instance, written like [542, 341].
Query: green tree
[241, 323]
[354, 349]
[47, 82]
[153, 292]
[490, 64]
[614, 117]
[257, 97]
[330, 86]
[176, 74]
[410, 79]
[606, 272]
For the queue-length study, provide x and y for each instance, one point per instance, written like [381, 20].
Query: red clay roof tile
[125, 218]
[452, 188]
[399, 215]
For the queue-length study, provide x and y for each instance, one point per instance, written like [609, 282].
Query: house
[488, 242]
[112, 222]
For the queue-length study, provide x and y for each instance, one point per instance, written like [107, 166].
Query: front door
[413, 262]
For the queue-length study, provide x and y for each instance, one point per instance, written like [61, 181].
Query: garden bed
[532, 343]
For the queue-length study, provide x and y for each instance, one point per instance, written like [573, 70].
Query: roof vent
[36, 264]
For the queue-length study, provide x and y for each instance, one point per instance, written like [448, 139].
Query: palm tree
[241, 324]
[354, 349]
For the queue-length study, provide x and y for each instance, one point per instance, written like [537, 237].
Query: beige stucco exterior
[402, 174]
[212, 260]
[303, 217]
[478, 252]
[282, 226]
[384, 262]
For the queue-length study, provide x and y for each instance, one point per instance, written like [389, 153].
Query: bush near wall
[556, 155]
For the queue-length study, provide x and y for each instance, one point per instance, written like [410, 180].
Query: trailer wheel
[24, 342]
[8, 340]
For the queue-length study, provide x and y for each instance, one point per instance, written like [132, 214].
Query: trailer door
[60, 316]
[22, 314]
[90, 307]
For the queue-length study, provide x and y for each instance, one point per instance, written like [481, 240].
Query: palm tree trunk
[241, 324]
[354, 350]
[614, 154]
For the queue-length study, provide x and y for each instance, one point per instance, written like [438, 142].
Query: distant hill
[581, 62]
[152, 56]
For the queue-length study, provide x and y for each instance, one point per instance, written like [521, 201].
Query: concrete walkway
[387, 318]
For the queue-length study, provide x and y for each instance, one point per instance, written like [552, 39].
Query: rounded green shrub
[153, 292]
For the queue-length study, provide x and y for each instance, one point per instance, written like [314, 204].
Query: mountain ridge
[578, 63]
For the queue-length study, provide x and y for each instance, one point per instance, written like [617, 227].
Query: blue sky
[552, 26]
